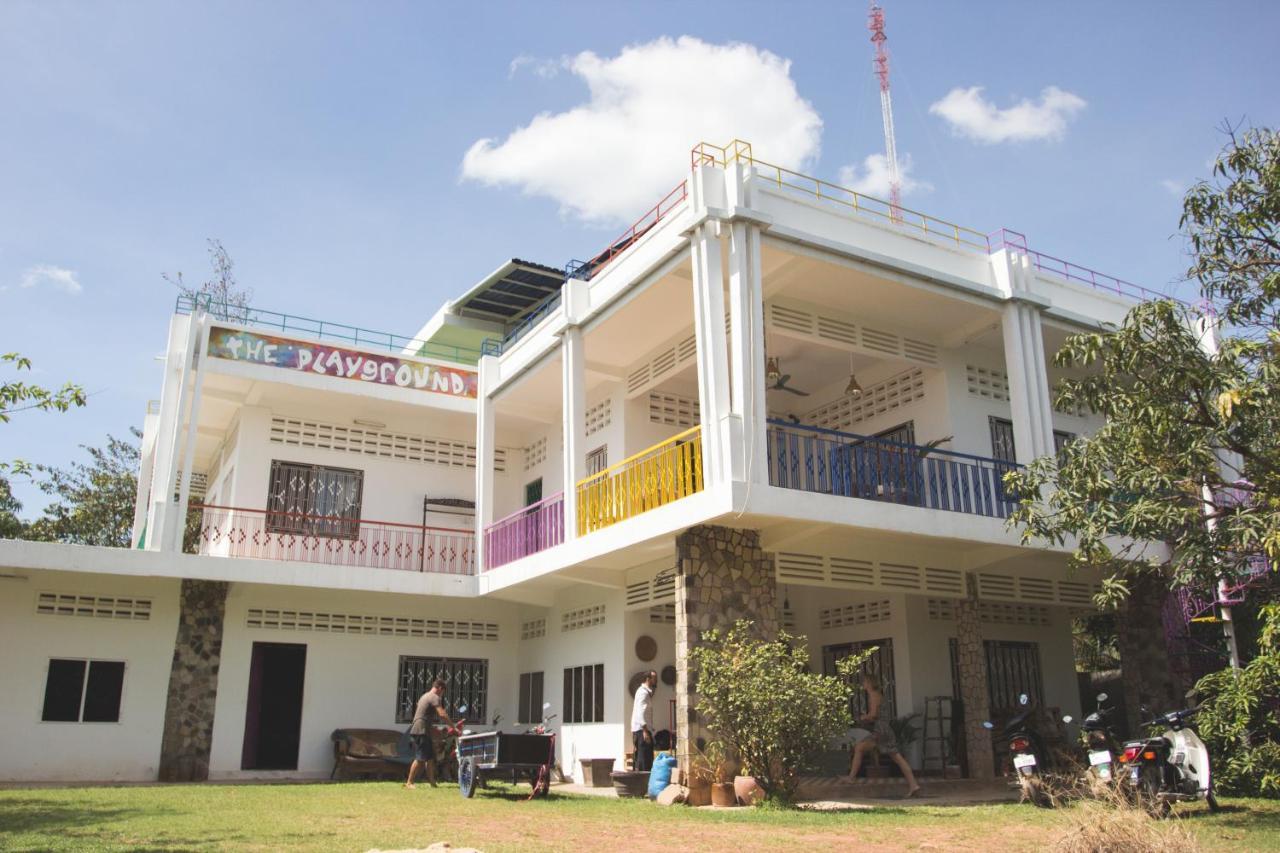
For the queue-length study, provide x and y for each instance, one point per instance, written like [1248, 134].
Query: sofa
[370, 753]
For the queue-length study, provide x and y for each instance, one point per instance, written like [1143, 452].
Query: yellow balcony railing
[660, 475]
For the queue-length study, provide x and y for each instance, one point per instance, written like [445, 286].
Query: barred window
[466, 683]
[584, 694]
[314, 499]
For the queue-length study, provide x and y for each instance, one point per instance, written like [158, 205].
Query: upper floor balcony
[333, 540]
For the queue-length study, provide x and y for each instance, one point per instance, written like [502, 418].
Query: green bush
[763, 705]
[1239, 719]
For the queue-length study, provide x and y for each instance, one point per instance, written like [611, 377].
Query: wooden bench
[366, 753]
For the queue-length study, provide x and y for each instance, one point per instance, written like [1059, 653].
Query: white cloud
[972, 115]
[616, 154]
[1175, 188]
[544, 68]
[872, 178]
[58, 278]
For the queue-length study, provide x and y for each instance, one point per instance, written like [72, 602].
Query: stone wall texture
[722, 576]
[974, 696]
[193, 682]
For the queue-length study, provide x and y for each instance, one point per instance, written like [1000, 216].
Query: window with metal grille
[880, 664]
[530, 698]
[466, 683]
[314, 499]
[597, 460]
[584, 694]
[1002, 446]
[1012, 669]
[1061, 439]
[83, 691]
[533, 492]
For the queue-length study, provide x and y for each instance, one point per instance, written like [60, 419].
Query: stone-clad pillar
[972, 666]
[193, 682]
[722, 575]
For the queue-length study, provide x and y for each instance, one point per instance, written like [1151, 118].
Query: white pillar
[485, 442]
[574, 426]
[1206, 330]
[178, 525]
[178, 375]
[1029, 396]
[713, 368]
[746, 353]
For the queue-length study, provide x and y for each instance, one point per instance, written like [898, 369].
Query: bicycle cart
[503, 755]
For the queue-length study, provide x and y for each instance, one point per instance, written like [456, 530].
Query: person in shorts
[430, 706]
[881, 735]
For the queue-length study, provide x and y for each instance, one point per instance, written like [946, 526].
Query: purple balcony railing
[227, 531]
[526, 531]
[828, 462]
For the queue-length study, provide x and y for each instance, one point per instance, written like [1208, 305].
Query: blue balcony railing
[325, 330]
[495, 346]
[828, 462]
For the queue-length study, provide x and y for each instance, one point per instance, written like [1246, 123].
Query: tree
[1191, 436]
[764, 706]
[222, 293]
[17, 396]
[95, 500]
[11, 526]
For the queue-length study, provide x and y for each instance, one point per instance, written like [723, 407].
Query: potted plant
[746, 788]
[723, 771]
[907, 734]
[699, 778]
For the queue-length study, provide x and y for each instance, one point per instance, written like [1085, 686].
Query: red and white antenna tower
[875, 23]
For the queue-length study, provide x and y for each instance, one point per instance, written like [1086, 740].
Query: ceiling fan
[776, 380]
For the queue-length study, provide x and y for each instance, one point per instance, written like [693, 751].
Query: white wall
[350, 679]
[560, 649]
[128, 750]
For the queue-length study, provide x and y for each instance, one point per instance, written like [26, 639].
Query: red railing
[526, 531]
[637, 230]
[226, 531]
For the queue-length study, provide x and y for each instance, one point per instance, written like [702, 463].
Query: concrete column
[722, 575]
[713, 367]
[182, 341]
[746, 354]
[972, 666]
[1030, 400]
[486, 434]
[193, 682]
[574, 391]
[176, 528]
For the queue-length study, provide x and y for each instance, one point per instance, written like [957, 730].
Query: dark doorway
[273, 712]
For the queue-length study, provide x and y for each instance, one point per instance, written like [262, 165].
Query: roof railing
[324, 329]
[929, 227]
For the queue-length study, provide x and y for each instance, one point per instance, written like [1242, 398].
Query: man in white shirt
[642, 723]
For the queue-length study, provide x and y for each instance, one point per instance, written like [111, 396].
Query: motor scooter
[1172, 765]
[1029, 753]
[1101, 746]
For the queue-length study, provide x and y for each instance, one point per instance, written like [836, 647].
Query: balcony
[654, 477]
[256, 534]
[828, 462]
[526, 531]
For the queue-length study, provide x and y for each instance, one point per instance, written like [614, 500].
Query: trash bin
[595, 772]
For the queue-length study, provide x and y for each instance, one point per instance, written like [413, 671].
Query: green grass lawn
[383, 815]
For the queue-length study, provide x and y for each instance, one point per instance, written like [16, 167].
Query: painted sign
[327, 360]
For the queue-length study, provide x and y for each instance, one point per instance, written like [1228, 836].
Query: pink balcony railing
[526, 531]
[226, 531]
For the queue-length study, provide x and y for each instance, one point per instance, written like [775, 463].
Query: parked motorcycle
[1031, 757]
[1098, 735]
[1170, 766]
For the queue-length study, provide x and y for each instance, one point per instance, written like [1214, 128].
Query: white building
[812, 395]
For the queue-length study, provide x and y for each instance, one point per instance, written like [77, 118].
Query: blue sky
[324, 144]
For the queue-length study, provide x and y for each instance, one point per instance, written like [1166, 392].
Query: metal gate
[1012, 669]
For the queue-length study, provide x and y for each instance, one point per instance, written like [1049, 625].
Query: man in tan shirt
[430, 706]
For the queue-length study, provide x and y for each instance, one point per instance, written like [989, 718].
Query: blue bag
[660, 776]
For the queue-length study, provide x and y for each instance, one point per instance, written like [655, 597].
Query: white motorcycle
[1170, 767]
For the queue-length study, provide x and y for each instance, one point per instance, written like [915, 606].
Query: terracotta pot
[699, 794]
[722, 794]
[747, 790]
